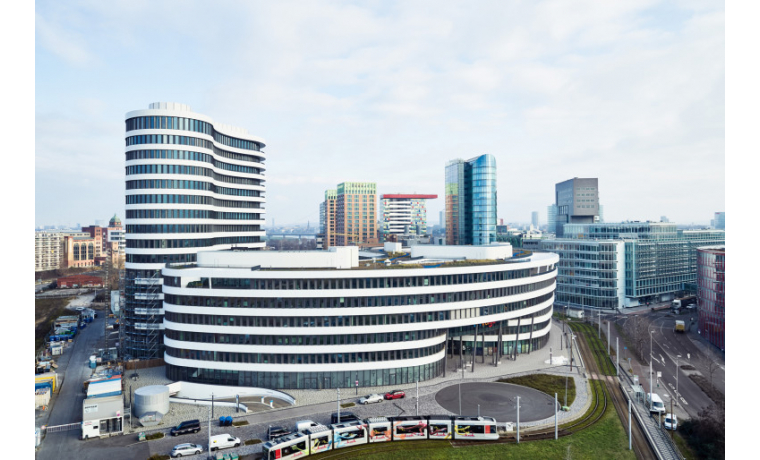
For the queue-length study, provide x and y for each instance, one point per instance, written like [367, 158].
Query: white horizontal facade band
[219, 127]
[194, 148]
[194, 207]
[336, 330]
[192, 236]
[195, 164]
[371, 292]
[329, 367]
[181, 221]
[305, 349]
[193, 274]
[238, 272]
[207, 179]
[346, 311]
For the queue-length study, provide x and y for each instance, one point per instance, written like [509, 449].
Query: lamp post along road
[556, 418]
[630, 440]
[677, 368]
[518, 420]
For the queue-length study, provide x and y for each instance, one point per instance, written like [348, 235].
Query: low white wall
[190, 390]
[342, 257]
[500, 251]
[203, 402]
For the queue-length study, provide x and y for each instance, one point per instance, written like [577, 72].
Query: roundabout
[497, 400]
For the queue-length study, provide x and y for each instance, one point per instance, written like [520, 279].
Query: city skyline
[553, 94]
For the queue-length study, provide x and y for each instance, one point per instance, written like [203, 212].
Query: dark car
[344, 417]
[275, 432]
[188, 426]
[395, 394]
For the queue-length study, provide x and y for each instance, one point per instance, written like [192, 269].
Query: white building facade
[192, 184]
[260, 319]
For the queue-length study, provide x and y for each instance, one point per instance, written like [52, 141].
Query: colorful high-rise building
[711, 294]
[351, 210]
[404, 214]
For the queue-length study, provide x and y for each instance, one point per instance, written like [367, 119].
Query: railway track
[592, 346]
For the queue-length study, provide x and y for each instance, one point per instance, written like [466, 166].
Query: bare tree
[637, 328]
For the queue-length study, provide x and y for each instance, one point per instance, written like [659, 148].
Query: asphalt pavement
[498, 400]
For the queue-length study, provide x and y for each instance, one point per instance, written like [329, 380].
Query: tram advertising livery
[379, 429]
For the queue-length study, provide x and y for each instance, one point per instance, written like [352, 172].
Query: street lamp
[677, 367]
[651, 355]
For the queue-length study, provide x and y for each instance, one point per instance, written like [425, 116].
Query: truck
[680, 326]
[578, 314]
[682, 302]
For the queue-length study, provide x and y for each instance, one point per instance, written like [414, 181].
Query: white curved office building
[322, 319]
[191, 184]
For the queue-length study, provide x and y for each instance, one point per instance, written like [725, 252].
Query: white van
[223, 441]
[304, 424]
[655, 403]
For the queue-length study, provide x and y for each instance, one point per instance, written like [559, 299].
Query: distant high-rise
[404, 214]
[192, 184]
[534, 219]
[551, 218]
[720, 220]
[349, 216]
[471, 201]
[664, 219]
[577, 202]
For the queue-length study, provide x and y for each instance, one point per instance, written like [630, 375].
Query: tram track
[602, 366]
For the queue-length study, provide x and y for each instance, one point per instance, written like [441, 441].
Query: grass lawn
[605, 440]
[548, 384]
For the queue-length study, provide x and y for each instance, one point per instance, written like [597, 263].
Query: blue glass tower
[471, 201]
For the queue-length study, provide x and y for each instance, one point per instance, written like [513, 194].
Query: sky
[630, 92]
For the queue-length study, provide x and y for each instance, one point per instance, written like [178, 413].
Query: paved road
[498, 400]
[67, 407]
[666, 346]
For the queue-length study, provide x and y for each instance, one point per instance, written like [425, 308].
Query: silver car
[187, 448]
[373, 398]
[670, 421]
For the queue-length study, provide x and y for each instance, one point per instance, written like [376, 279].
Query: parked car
[188, 426]
[671, 422]
[223, 441]
[187, 448]
[395, 394]
[369, 399]
[344, 417]
[304, 424]
[275, 432]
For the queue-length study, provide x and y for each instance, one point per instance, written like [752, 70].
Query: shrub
[240, 423]
[344, 405]
[251, 442]
[153, 436]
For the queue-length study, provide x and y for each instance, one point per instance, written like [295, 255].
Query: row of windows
[190, 228]
[346, 339]
[189, 214]
[189, 185]
[351, 302]
[159, 259]
[307, 380]
[190, 199]
[364, 283]
[191, 171]
[307, 321]
[322, 358]
[341, 321]
[83, 254]
[189, 124]
[193, 156]
[169, 139]
[190, 243]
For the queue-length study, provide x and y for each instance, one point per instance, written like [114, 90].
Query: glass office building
[471, 201]
[659, 258]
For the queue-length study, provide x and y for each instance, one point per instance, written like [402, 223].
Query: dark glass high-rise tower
[191, 185]
[471, 201]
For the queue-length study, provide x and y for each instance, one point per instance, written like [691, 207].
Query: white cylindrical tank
[154, 398]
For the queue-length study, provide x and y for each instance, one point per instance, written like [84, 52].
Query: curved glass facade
[295, 328]
[171, 227]
[471, 201]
